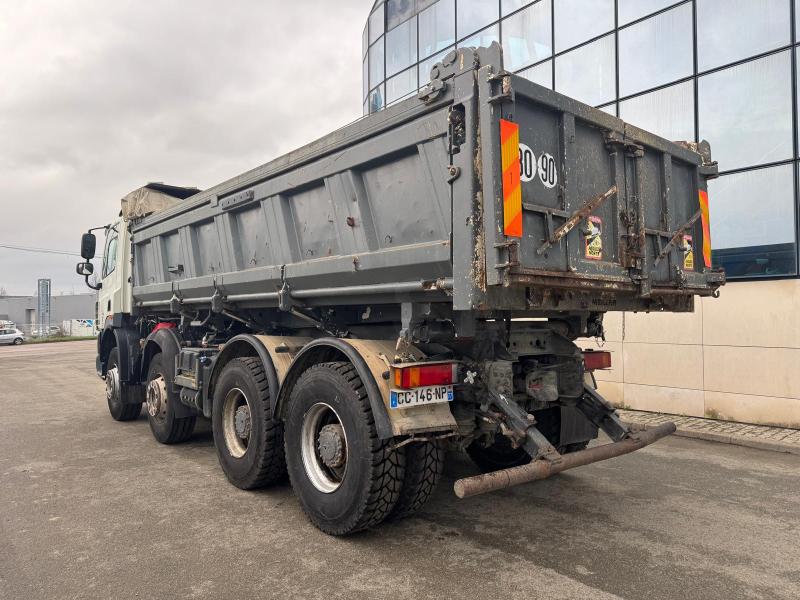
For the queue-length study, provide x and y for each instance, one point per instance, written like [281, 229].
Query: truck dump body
[587, 213]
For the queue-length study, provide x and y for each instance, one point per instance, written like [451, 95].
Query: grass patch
[57, 338]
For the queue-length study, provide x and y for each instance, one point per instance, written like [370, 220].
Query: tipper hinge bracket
[506, 93]
[512, 246]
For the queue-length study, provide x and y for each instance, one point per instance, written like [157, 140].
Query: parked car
[11, 336]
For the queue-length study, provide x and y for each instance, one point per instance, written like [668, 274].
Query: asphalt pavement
[91, 508]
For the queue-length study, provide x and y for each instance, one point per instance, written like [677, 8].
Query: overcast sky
[100, 97]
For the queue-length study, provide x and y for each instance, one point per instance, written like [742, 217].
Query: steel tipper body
[413, 281]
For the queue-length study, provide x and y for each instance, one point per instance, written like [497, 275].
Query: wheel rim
[157, 398]
[112, 385]
[237, 425]
[324, 447]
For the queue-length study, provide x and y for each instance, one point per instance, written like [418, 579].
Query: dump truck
[413, 283]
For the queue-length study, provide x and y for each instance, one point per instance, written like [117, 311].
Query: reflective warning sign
[594, 238]
[688, 253]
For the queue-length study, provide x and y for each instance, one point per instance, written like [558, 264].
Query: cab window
[110, 255]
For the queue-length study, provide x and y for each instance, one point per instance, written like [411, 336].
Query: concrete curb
[736, 440]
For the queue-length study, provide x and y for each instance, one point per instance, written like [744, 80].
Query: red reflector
[593, 359]
[421, 375]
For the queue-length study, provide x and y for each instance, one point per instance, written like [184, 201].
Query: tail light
[594, 359]
[418, 375]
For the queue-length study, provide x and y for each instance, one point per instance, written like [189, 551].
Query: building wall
[735, 358]
[22, 309]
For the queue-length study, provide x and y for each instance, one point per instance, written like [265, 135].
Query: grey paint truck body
[391, 243]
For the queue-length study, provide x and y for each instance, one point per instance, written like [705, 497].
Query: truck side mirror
[85, 269]
[88, 245]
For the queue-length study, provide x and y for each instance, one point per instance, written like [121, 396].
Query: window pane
[610, 109]
[746, 112]
[365, 77]
[365, 40]
[401, 47]
[656, 51]
[587, 74]
[581, 20]
[425, 66]
[752, 222]
[482, 38]
[401, 85]
[630, 10]
[474, 14]
[398, 11]
[376, 63]
[437, 27]
[376, 24]
[509, 6]
[526, 36]
[376, 101]
[735, 29]
[668, 112]
[541, 74]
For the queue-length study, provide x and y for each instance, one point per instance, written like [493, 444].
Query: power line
[38, 250]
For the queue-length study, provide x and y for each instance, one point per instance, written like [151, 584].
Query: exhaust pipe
[542, 469]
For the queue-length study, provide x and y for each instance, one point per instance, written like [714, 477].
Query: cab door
[114, 273]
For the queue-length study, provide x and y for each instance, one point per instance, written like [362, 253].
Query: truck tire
[346, 478]
[500, 455]
[121, 398]
[424, 466]
[166, 427]
[248, 440]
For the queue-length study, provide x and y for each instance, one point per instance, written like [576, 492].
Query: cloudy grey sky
[99, 97]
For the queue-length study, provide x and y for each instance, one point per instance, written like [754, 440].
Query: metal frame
[694, 77]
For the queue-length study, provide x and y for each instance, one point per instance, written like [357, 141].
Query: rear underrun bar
[544, 468]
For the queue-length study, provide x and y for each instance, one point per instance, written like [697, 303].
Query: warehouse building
[22, 310]
[721, 70]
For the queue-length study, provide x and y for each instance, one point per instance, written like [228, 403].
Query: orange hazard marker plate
[706, 228]
[512, 186]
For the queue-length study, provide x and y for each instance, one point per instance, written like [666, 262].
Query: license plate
[432, 394]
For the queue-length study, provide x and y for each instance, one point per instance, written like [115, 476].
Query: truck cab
[114, 294]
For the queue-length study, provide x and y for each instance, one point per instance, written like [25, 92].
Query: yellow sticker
[688, 253]
[594, 238]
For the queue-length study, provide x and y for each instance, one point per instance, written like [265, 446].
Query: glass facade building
[721, 70]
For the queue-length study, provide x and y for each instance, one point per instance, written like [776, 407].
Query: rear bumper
[544, 468]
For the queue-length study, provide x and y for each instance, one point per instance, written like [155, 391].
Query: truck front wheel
[166, 427]
[346, 478]
[249, 441]
[124, 401]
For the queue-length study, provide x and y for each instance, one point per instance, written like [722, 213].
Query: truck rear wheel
[249, 441]
[166, 427]
[424, 466]
[122, 399]
[345, 477]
